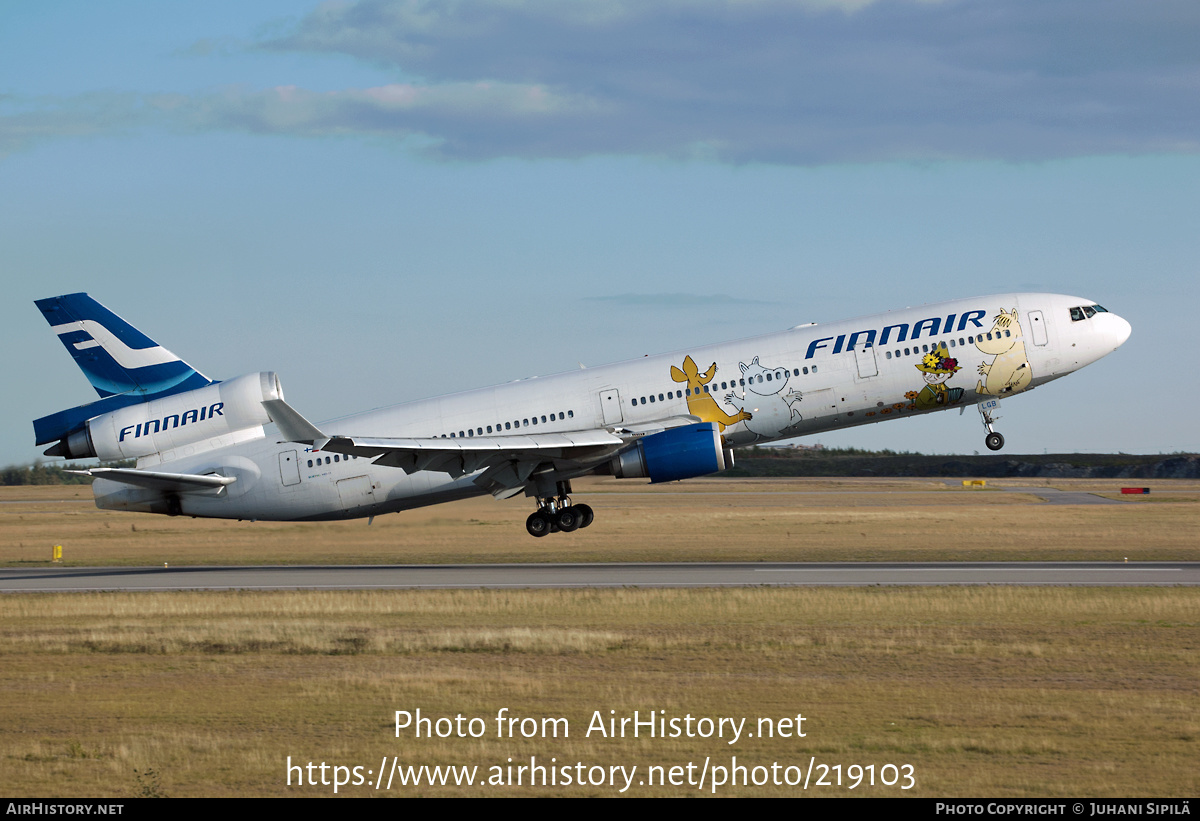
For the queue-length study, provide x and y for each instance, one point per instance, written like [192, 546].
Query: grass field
[699, 520]
[983, 691]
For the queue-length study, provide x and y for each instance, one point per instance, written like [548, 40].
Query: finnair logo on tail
[125, 356]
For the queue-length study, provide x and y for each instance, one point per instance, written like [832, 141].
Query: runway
[414, 577]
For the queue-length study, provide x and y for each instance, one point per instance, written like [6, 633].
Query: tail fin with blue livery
[125, 366]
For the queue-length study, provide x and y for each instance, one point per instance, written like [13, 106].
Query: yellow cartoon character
[700, 402]
[1009, 371]
[937, 366]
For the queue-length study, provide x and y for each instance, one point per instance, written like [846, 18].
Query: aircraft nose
[1122, 330]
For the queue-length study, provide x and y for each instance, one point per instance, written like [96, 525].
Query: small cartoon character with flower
[937, 367]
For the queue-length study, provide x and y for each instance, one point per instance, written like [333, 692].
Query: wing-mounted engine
[679, 453]
[217, 415]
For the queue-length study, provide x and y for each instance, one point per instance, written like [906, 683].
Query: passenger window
[768, 378]
[889, 354]
[337, 458]
[526, 423]
[508, 425]
[327, 460]
[805, 370]
[795, 371]
[489, 428]
[571, 414]
[543, 420]
[310, 462]
[470, 432]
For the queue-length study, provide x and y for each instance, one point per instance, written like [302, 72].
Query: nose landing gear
[993, 440]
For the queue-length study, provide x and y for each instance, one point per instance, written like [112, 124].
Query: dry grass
[985, 691]
[700, 520]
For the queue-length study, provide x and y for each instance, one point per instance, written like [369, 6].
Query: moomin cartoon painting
[701, 403]
[1009, 371]
[767, 408]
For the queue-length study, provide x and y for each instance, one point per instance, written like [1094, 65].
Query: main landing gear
[993, 440]
[557, 513]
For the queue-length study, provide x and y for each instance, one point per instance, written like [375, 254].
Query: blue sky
[383, 201]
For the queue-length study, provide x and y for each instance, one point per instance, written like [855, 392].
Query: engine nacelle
[175, 421]
[679, 453]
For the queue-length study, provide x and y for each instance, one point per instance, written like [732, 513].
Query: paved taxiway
[382, 577]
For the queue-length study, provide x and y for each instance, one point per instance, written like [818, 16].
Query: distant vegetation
[41, 474]
[817, 461]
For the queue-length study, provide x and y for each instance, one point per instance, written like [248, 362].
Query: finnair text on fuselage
[931, 327]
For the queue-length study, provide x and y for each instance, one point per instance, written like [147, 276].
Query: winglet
[293, 426]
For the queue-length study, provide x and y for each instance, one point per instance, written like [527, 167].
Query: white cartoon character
[769, 407]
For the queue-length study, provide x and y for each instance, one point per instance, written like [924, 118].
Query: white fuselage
[807, 380]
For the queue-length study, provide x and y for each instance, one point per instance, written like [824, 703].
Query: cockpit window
[1100, 310]
[1076, 314]
[1089, 310]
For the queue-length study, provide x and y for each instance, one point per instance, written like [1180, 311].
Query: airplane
[203, 448]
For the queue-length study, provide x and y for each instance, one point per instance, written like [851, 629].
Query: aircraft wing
[506, 461]
[173, 482]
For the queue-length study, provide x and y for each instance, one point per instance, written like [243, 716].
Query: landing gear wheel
[586, 515]
[994, 441]
[567, 519]
[538, 524]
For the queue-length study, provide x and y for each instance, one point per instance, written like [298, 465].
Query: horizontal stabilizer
[173, 482]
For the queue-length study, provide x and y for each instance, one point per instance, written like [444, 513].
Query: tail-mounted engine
[216, 410]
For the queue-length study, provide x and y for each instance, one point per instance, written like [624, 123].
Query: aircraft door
[289, 467]
[610, 407]
[867, 366]
[1037, 327]
[356, 492]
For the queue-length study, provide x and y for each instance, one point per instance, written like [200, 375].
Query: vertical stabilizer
[116, 357]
